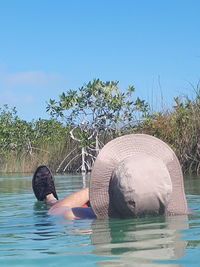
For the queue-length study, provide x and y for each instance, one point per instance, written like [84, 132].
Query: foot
[51, 200]
[43, 183]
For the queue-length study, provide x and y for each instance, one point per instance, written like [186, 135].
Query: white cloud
[11, 98]
[26, 78]
[29, 78]
[28, 91]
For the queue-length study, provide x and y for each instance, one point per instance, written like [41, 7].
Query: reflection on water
[141, 241]
[30, 237]
[42, 222]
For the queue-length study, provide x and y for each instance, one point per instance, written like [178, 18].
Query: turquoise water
[30, 237]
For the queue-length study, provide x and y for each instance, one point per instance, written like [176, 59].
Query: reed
[24, 146]
[46, 154]
[180, 128]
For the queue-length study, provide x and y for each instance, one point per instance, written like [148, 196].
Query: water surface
[30, 237]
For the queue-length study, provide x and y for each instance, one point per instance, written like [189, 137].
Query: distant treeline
[25, 145]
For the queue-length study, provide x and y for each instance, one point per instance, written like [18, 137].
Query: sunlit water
[30, 237]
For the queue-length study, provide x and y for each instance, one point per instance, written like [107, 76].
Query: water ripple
[30, 237]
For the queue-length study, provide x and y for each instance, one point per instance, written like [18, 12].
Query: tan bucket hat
[136, 175]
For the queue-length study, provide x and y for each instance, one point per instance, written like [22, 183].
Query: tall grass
[24, 146]
[180, 128]
[44, 154]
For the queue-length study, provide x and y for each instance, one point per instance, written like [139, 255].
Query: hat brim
[130, 145]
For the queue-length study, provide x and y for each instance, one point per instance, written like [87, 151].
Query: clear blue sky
[48, 46]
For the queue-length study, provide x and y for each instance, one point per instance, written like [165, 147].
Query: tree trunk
[97, 145]
[83, 169]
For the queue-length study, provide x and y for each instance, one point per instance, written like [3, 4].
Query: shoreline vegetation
[61, 141]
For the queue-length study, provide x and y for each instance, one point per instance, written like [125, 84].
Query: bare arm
[70, 206]
[76, 199]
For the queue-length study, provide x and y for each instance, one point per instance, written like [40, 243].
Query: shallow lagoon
[30, 237]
